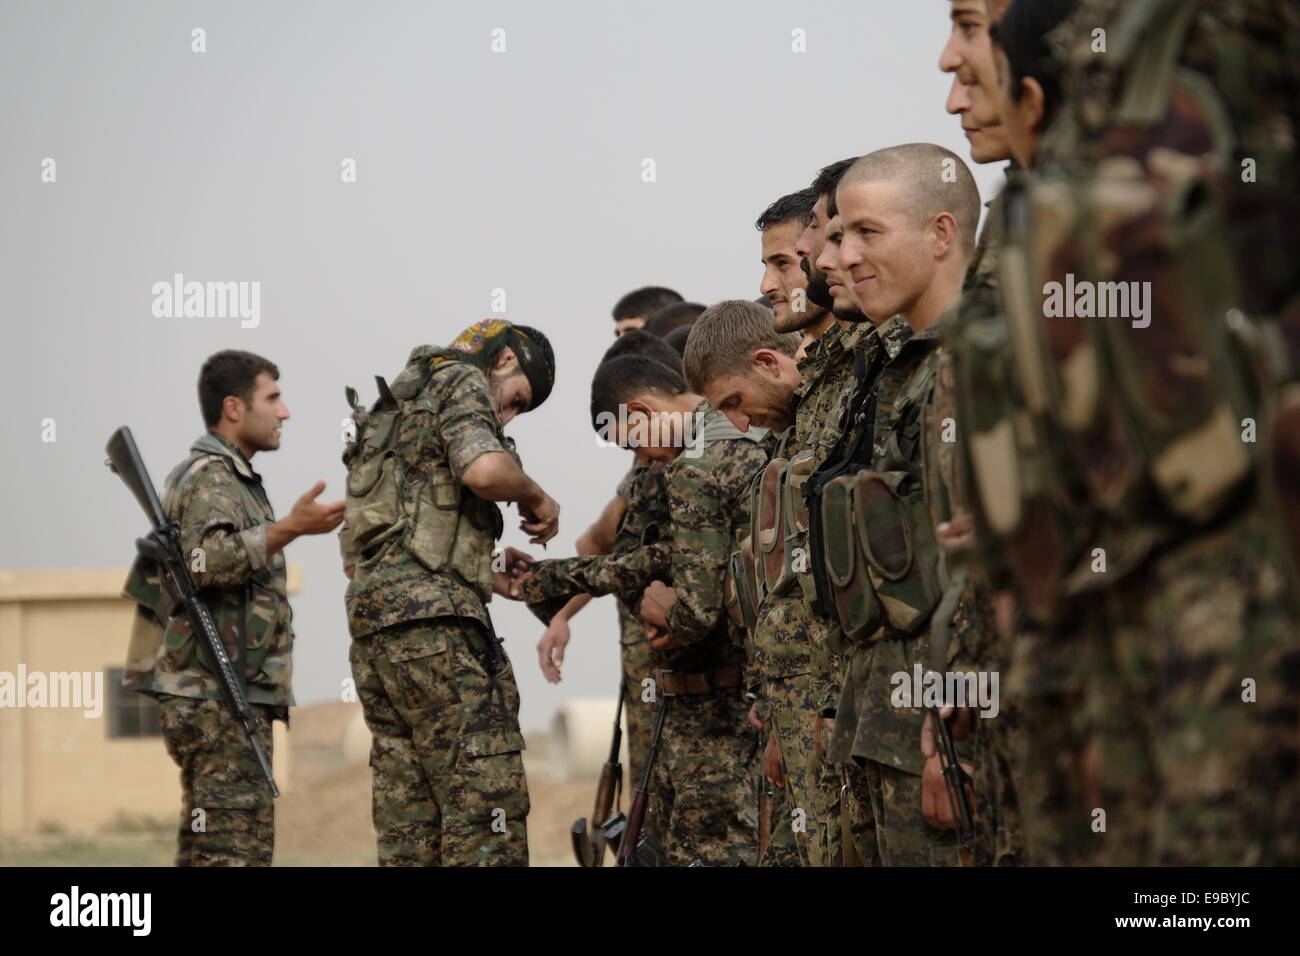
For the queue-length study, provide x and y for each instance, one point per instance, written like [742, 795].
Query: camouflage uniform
[978, 646]
[217, 501]
[647, 514]
[449, 786]
[878, 741]
[704, 779]
[1155, 660]
[789, 641]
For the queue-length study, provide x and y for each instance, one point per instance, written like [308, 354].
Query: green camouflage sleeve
[627, 487]
[552, 583]
[701, 548]
[467, 423]
[218, 553]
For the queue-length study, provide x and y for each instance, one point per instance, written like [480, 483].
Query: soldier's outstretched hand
[310, 516]
[514, 564]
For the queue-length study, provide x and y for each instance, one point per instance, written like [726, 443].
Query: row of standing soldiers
[1054, 470]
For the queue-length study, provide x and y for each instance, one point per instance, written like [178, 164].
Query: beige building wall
[59, 767]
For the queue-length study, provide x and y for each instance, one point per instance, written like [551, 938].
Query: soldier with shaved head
[908, 216]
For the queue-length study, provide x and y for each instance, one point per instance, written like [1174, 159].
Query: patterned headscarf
[484, 340]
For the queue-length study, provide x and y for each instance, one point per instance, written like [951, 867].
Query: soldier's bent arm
[468, 426]
[494, 476]
[701, 549]
[219, 555]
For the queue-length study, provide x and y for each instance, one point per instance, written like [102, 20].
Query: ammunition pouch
[738, 587]
[843, 560]
[796, 561]
[769, 529]
[880, 554]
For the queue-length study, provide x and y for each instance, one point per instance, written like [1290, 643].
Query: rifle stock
[163, 545]
[589, 844]
[627, 844]
[955, 779]
[125, 461]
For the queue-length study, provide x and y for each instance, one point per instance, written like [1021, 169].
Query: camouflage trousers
[446, 753]
[1179, 745]
[639, 716]
[705, 794]
[227, 812]
[999, 830]
[789, 711]
[885, 823]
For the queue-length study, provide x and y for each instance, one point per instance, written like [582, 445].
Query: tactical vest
[1079, 422]
[438, 521]
[162, 646]
[875, 549]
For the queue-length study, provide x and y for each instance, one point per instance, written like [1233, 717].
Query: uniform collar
[213, 444]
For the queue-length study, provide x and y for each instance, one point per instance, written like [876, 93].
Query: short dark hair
[1022, 35]
[641, 342]
[622, 379]
[764, 300]
[673, 317]
[829, 178]
[793, 206]
[229, 373]
[644, 302]
[676, 340]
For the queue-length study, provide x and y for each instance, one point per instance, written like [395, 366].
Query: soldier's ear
[943, 232]
[233, 408]
[506, 360]
[766, 362]
[1031, 103]
[636, 405]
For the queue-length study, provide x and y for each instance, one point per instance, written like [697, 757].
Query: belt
[672, 683]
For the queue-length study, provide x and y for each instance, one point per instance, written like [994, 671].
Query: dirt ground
[323, 819]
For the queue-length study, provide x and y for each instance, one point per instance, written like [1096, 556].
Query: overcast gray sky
[476, 171]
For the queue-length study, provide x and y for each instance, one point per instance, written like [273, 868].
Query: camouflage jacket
[1170, 167]
[644, 521]
[451, 421]
[708, 503]
[786, 631]
[947, 467]
[878, 730]
[834, 422]
[221, 508]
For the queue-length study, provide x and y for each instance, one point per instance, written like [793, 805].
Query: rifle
[589, 847]
[633, 849]
[955, 779]
[765, 794]
[163, 546]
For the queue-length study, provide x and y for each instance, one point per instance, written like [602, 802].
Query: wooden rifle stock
[627, 844]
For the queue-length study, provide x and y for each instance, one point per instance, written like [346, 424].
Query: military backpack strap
[1148, 38]
[172, 493]
[386, 400]
[721, 429]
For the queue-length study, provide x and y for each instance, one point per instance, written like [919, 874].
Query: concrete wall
[57, 766]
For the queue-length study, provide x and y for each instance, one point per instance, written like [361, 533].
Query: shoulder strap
[186, 469]
[720, 429]
[1149, 39]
